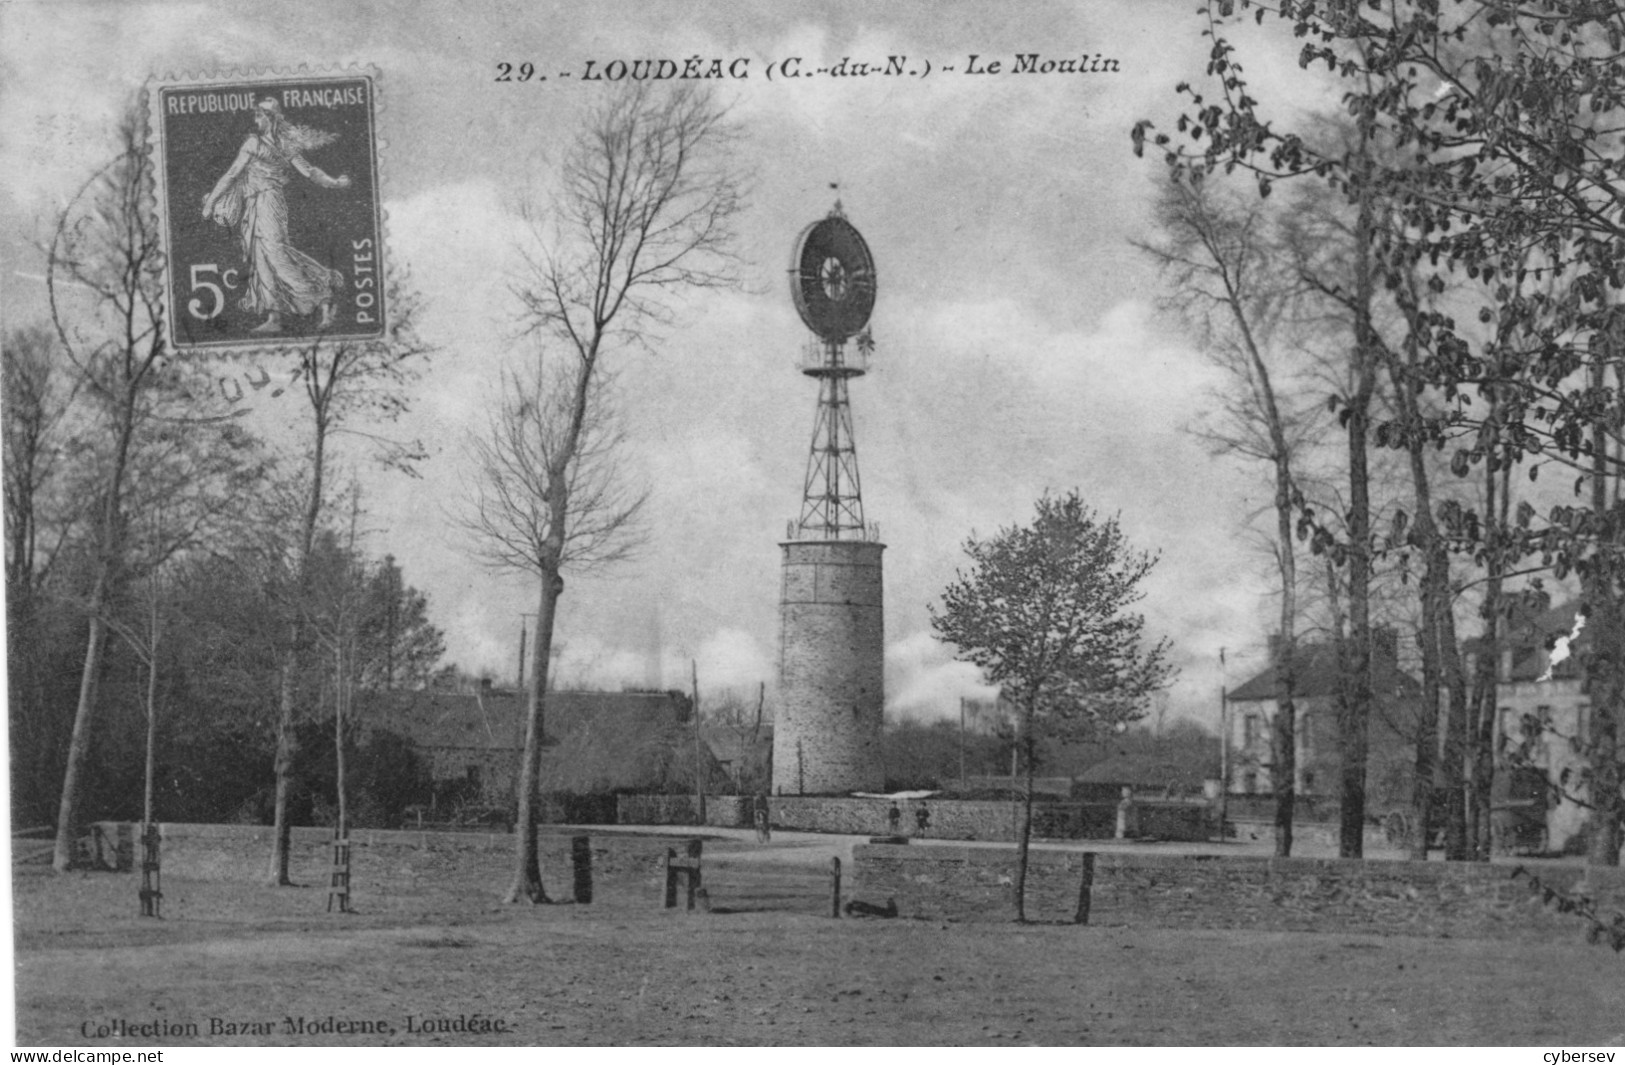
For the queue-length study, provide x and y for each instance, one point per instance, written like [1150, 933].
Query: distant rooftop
[1318, 676]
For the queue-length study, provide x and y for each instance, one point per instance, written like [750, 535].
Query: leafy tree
[1044, 611]
[1502, 178]
[917, 754]
[648, 195]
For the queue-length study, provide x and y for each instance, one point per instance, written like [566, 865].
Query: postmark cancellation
[268, 198]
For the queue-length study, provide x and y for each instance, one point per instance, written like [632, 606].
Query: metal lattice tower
[832, 495]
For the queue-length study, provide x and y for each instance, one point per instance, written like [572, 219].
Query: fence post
[581, 860]
[694, 870]
[835, 887]
[1085, 888]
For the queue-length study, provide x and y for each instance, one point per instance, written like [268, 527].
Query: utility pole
[699, 765]
[961, 743]
[522, 635]
[1224, 745]
[392, 588]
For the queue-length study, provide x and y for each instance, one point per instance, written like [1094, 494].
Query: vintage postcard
[710, 523]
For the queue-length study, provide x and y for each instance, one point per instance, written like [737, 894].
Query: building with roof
[594, 742]
[1543, 714]
[1396, 704]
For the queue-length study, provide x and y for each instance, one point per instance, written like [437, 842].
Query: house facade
[1252, 709]
[1543, 715]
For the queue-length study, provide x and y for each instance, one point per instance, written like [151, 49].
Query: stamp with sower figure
[268, 190]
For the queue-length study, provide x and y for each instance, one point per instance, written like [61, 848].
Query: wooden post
[339, 886]
[687, 867]
[581, 861]
[835, 887]
[1085, 889]
[151, 878]
[694, 870]
[699, 758]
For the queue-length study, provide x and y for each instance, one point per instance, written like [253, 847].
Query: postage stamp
[268, 194]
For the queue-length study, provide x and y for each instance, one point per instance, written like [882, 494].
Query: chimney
[1275, 647]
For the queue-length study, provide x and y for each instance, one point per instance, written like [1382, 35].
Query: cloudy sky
[1020, 347]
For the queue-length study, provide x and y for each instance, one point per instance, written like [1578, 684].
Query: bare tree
[1218, 258]
[643, 213]
[349, 388]
[107, 245]
[150, 437]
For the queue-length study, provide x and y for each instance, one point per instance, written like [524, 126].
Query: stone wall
[721, 811]
[970, 883]
[1323, 833]
[242, 853]
[1212, 891]
[980, 819]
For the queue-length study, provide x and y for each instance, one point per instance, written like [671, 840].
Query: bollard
[581, 861]
[835, 887]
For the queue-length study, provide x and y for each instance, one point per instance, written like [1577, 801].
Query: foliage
[918, 755]
[383, 773]
[1598, 930]
[1487, 151]
[1044, 613]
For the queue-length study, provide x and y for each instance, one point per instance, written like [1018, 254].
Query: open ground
[446, 963]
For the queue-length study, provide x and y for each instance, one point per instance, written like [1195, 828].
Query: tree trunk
[1434, 600]
[287, 744]
[1481, 711]
[286, 750]
[1357, 708]
[1605, 672]
[1284, 774]
[339, 691]
[1434, 592]
[1455, 750]
[1606, 682]
[1285, 777]
[152, 717]
[1026, 815]
[527, 882]
[67, 822]
[110, 552]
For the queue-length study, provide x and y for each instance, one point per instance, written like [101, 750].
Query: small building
[1395, 710]
[744, 756]
[1146, 775]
